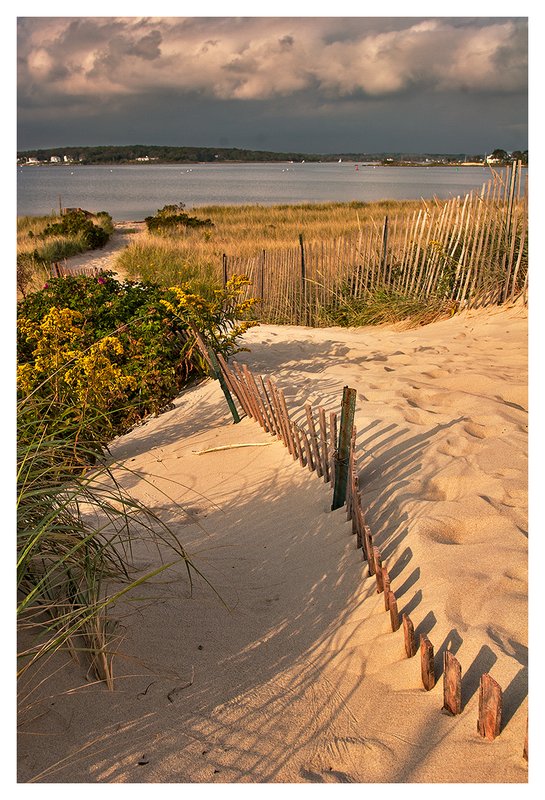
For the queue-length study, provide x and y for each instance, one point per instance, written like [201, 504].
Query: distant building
[55, 159]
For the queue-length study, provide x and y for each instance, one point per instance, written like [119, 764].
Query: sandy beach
[281, 666]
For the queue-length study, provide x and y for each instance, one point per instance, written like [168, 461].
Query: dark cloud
[338, 83]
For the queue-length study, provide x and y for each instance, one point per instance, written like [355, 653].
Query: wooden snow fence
[317, 443]
[62, 271]
[469, 250]
[311, 441]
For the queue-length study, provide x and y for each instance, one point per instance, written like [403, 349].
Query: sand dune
[295, 675]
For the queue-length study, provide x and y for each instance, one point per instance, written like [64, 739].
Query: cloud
[263, 58]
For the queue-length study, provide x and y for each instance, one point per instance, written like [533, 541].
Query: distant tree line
[127, 154]
[506, 158]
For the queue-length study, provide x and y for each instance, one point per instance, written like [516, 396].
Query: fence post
[342, 454]
[452, 684]
[384, 247]
[490, 707]
[224, 270]
[394, 613]
[210, 357]
[427, 666]
[303, 279]
[408, 631]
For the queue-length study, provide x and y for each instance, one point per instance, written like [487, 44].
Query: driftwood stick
[490, 707]
[452, 684]
[408, 631]
[230, 447]
[427, 663]
[394, 614]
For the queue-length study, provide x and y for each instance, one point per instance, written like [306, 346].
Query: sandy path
[104, 258]
[296, 677]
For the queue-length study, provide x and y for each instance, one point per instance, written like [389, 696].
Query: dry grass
[245, 231]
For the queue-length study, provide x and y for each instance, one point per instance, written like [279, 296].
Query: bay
[133, 192]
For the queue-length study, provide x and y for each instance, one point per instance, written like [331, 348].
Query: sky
[303, 83]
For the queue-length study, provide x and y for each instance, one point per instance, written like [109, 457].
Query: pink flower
[101, 280]
[46, 286]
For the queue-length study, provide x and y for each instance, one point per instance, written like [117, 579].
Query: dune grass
[76, 532]
[37, 251]
[245, 231]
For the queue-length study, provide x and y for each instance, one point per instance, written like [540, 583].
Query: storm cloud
[279, 76]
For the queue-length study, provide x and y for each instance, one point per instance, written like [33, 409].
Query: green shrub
[78, 223]
[112, 351]
[172, 217]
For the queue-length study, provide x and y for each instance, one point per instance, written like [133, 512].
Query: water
[133, 192]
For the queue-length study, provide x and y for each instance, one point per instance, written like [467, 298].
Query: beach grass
[247, 230]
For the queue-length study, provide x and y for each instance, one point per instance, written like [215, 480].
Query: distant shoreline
[261, 163]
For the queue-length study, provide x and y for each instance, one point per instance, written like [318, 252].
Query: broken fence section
[311, 440]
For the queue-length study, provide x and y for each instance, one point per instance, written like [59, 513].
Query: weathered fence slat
[408, 632]
[452, 684]
[333, 442]
[270, 408]
[323, 436]
[394, 614]
[427, 663]
[314, 440]
[249, 408]
[289, 431]
[377, 564]
[368, 539]
[490, 707]
[386, 587]
[308, 451]
[279, 413]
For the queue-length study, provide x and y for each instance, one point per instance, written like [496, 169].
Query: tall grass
[76, 532]
[35, 254]
[246, 231]
[169, 261]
